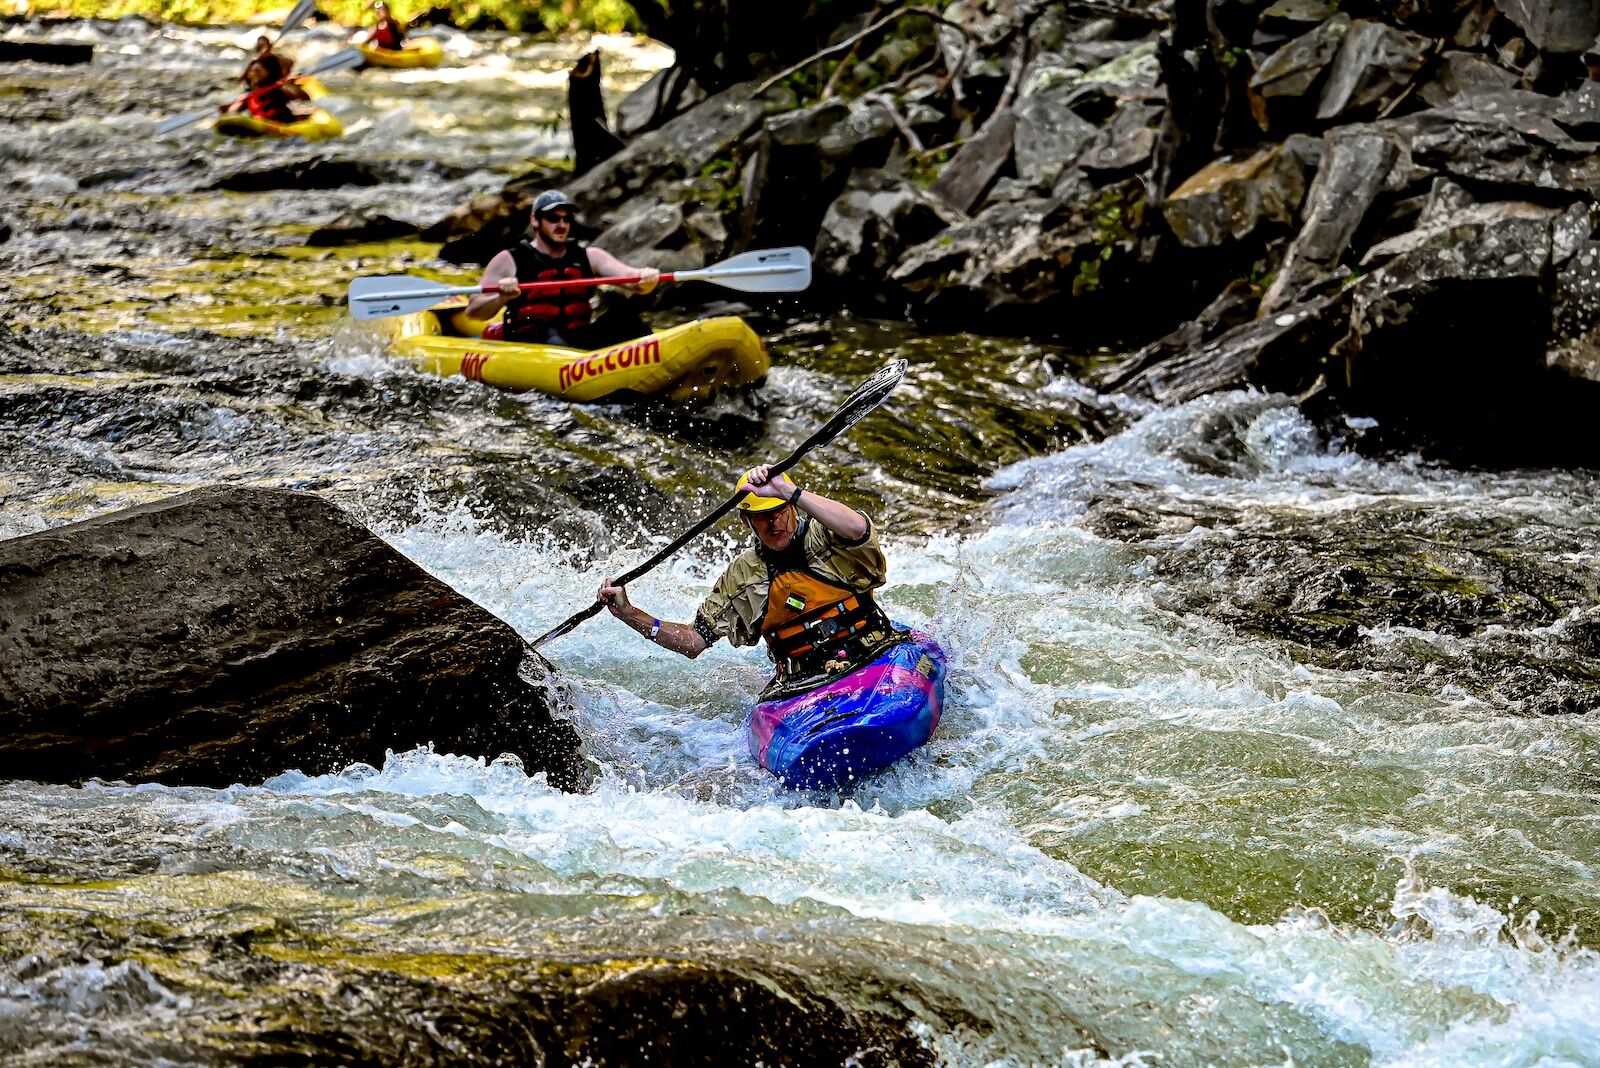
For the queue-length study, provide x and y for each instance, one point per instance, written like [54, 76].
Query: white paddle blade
[345, 59]
[382, 297]
[188, 118]
[772, 270]
[302, 11]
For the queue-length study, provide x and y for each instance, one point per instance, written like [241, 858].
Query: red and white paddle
[778, 270]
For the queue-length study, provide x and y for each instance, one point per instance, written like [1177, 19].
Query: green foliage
[924, 167]
[717, 186]
[607, 16]
[1117, 216]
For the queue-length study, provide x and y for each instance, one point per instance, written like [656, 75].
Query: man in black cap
[560, 317]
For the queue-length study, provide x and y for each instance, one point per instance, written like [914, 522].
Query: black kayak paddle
[868, 396]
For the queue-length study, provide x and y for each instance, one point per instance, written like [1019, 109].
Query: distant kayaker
[269, 96]
[548, 254]
[275, 66]
[388, 33]
[805, 587]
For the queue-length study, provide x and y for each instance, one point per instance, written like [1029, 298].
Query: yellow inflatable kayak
[318, 126]
[417, 52]
[684, 364]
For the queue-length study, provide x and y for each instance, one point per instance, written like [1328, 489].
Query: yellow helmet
[753, 503]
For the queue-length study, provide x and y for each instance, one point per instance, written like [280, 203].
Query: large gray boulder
[1451, 334]
[1507, 138]
[872, 221]
[1374, 62]
[661, 163]
[1230, 199]
[1555, 25]
[229, 634]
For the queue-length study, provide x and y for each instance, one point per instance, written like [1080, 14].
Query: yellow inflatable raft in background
[320, 125]
[686, 364]
[417, 52]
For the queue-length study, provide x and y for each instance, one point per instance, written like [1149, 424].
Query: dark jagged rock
[64, 55]
[1579, 112]
[1374, 62]
[1449, 339]
[665, 94]
[665, 157]
[801, 162]
[1506, 138]
[356, 227]
[1228, 200]
[1274, 352]
[1048, 137]
[316, 172]
[1289, 74]
[665, 236]
[227, 635]
[1464, 72]
[976, 164]
[1233, 307]
[1292, 18]
[1126, 144]
[873, 220]
[1576, 345]
[1338, 587]
[483, 226]
[1354, 165]
[1013, 261]
[1555, 26]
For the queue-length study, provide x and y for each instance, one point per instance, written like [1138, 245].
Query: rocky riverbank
[1391, 206]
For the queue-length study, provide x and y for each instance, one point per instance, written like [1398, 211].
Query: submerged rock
[356, 227]
[65, 55]
[227, 635]
[314, 172]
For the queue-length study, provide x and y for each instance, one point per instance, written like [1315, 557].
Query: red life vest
[388, 34]
[272, 105]
[811, 620]
[532, 317]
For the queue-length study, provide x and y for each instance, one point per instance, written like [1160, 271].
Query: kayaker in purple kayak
[805, 587]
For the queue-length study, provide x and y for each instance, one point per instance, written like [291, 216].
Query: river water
[1256, 750]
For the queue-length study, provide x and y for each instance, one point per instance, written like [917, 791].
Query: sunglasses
[561, 217]
[766, 518]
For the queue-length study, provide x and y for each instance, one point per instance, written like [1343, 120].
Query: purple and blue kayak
[829, 737]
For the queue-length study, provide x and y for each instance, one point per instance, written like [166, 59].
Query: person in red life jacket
[388, 33]
[278, 66]
[269, 96]
[564, 316]
[805, 587]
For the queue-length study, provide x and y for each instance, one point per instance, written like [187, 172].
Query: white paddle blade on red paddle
[302, 11]
[399, 294]
[770, 270]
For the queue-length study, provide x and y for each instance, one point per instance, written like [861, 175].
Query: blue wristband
[655, 628]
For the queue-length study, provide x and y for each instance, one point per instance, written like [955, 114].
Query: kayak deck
[320, 125]
[417, 52]
[685, 364]
[830, 737]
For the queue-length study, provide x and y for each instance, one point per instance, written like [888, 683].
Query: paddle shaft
[578, 283]
[842, 420]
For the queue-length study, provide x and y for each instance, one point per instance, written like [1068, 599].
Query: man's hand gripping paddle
[868, 396]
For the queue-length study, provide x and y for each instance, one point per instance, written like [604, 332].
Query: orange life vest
[811, 620]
